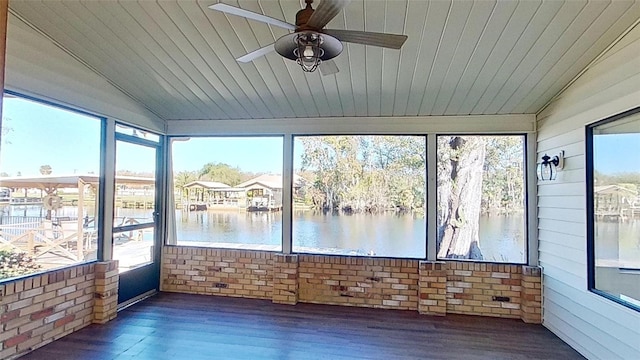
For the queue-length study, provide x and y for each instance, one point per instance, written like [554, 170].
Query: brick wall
[105, 305]
[484, 289]
[219, 272]
[285, 279]
[357, 281]
[531, 294]
[40, 309]
[436, 288]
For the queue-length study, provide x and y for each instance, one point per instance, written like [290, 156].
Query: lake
[390, 235]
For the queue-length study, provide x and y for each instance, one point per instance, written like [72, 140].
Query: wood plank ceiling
[177, 57]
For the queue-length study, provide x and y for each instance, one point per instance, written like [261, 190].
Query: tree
[45, 170]
[503, 183]
[221, 172]
[182, 178]
[365, 173]
[461, 160]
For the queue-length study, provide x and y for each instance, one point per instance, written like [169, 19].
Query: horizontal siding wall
[593, 325]
[35, 66]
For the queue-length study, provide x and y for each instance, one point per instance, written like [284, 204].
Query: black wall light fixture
[548, 168]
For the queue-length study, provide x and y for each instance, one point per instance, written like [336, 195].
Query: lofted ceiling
[177, 57]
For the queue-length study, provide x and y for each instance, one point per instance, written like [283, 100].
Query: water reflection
[392, 235]
[618, 242]
[234, 227]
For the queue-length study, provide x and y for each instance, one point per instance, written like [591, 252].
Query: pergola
[50, 184]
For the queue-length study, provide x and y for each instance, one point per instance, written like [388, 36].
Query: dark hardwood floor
[193, 327]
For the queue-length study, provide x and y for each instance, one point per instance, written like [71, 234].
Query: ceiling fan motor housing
[302, 17]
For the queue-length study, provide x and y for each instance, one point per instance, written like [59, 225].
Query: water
[392, 235]
[618, 243]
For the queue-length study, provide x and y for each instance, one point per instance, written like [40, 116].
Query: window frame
[424, 135]
[169, 211]
[590, 212]
[518, 124]
[102, 160]
[526, 173]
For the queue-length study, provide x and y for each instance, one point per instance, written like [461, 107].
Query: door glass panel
[134, 184]
[134, 204]
[133, 248]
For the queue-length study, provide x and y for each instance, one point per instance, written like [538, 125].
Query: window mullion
[432, 199]
[287, 199]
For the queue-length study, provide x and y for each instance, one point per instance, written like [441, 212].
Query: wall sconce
[548, 168]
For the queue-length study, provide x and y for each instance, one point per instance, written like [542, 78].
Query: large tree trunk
[460, 171]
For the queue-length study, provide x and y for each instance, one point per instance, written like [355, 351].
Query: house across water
[262, 193]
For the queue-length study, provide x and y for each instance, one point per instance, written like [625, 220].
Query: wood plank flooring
[194, 327]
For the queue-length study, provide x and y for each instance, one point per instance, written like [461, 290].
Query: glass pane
[133, 248]
[228, 192]
[360, 195]
[123, 129]
[481, 198]
[134, 184]
[49, 186]
[134, 204]
[616, 212]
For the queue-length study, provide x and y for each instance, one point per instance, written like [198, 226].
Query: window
[360, 195]
[49, 179]
[613, 188]
[228, 192]
[481, 198]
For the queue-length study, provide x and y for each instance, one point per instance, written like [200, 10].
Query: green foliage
[46, 170]
[182, 178]
[364, 173]
[503, 180]
[221, 172]
[16, 263]
[630, 179]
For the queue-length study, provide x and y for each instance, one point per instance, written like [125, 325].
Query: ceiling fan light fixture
[308, 48]
[308, 51]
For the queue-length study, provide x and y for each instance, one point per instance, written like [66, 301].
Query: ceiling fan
[310, 44]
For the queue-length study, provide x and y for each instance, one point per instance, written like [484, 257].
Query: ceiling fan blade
[328, 67]
[256, 54]
[392, 41]
[251, 15]
[326, 11]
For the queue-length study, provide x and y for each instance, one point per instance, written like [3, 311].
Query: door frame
[145, 279]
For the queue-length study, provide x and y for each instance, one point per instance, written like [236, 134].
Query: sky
[251, 154]
[38, 135]
[69, 142]
[617, 153]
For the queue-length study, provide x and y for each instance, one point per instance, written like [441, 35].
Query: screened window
[613, 160]
[49, 186]
[360, 195]
[228, 192]
[481, 198]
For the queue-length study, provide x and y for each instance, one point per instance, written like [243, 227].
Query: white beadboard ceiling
[177, 57]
